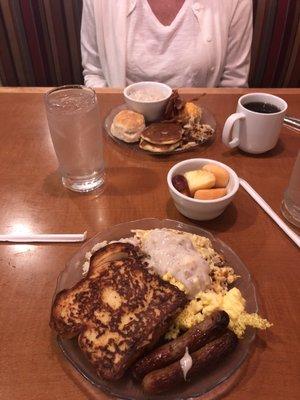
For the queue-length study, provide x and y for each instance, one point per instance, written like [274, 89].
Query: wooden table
[32, 198]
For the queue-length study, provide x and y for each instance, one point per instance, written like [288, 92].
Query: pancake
[162, 133]
[158, 148]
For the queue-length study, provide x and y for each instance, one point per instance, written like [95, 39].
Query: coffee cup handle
[226, 135]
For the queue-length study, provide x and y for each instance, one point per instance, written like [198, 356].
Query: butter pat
[199, 179]
[186, 363]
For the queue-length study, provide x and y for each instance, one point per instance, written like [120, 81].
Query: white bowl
[151, 109]
[201, 210]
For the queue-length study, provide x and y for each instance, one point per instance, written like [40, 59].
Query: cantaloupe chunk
[210, 194]
[222, 176]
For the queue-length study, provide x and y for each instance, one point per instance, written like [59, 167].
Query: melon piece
[199, 179]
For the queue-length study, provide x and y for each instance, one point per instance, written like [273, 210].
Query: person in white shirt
[191, 43]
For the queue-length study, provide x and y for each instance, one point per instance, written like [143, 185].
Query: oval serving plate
[207, 118]
[126, 388]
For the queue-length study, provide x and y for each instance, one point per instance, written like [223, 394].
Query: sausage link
[208, 356]
[196, 337]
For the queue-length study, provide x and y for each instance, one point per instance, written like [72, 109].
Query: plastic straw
[54, 237]
[265, 206]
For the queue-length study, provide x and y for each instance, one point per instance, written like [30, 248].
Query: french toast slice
[119, 310]
[72, 306]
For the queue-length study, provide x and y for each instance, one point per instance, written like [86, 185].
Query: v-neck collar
[157, 21]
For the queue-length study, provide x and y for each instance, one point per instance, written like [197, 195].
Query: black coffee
[261, 107]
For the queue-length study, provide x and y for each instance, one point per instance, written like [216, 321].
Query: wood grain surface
[32, 198]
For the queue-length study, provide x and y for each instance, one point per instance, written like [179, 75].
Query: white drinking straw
[52, 237]
[265, 206]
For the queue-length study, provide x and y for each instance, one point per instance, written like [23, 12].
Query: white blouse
[173, 54]
[207, 44]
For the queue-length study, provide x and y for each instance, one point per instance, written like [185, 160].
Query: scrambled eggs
[205, 303]
[217, 297]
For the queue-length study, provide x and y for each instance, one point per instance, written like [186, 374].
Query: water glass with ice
[74, 125]
[291, 199]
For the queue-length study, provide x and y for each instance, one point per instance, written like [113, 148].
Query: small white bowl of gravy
[148, 98]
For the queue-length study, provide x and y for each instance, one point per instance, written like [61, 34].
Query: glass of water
[291, 199]
[74, 125]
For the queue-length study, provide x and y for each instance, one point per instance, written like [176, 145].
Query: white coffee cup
[252, 131]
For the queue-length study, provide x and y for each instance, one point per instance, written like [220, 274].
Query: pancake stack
[161, 137]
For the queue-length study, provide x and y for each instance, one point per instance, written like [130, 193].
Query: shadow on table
[53, 186]
[128, 181]
[118, 181]
[219, 224]
[276, 151]
[224, 222]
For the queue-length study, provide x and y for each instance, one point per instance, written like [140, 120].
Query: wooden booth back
[40, 43]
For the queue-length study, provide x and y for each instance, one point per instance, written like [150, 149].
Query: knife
[292, 122]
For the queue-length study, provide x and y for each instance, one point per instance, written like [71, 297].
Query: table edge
[185, 90]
